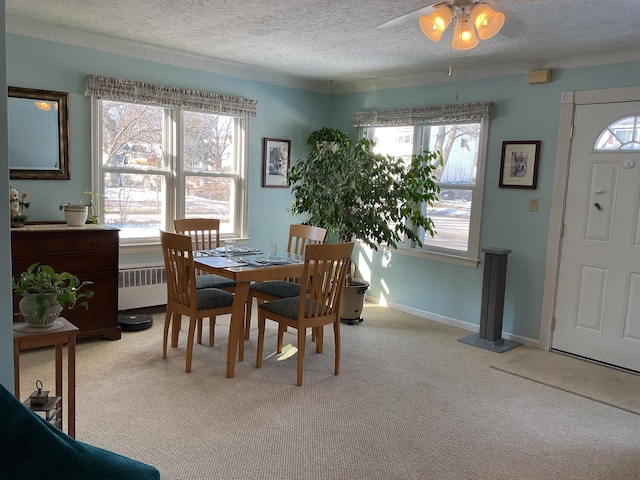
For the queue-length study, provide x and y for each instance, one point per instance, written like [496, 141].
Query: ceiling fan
[473, 20]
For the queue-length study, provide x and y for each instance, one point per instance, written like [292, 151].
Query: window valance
[411, 116]
[132, 91]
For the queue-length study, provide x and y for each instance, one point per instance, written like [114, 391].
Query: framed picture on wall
[519, 164]
[275, 162]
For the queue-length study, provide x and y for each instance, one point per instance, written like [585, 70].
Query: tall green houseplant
[359, 195]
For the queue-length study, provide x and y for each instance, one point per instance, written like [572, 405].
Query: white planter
[29, 309]
[76, 215]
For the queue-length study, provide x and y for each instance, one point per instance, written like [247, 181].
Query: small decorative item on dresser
[76, 214]
[17, 206]
[45, 292]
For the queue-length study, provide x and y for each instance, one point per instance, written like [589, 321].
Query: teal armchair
[31, 448]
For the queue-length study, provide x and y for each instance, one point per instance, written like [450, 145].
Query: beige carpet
[595, 382]
[411, 403]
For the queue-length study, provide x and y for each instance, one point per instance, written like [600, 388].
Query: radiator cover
[142, 287]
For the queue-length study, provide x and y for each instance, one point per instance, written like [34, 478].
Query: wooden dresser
[91, 253]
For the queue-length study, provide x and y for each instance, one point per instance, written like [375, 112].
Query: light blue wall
[282, 113]
[522, 112]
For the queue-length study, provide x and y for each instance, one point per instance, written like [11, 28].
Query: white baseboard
[471, 327]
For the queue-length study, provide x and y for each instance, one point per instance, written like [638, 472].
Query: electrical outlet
[533, 204]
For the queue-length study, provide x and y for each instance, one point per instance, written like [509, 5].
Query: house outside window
[623, 134]
[456, 214]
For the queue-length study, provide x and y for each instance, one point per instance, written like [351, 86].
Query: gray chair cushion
[287, 307]
[213, 281]
[213, 298]
[277, 288]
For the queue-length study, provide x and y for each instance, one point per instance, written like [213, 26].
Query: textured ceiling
[333, 45]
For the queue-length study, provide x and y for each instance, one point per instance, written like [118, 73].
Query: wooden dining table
[243, 276]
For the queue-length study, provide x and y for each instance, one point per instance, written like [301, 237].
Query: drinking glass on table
[229, 247]
[272, 249]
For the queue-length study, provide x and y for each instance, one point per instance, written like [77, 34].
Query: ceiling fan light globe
[487, 21]
[43, 106]
[434, 24]
[464, 36]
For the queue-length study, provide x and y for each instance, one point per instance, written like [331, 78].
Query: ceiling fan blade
[407, 17]
[514, 26]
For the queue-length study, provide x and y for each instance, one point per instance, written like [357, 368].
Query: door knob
[597, 205]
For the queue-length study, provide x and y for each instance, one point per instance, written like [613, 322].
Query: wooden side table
[63, 331]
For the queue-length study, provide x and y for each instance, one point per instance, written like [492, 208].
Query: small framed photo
[519, 164]
[275, 162]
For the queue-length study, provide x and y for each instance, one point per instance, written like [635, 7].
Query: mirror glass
[38, 129]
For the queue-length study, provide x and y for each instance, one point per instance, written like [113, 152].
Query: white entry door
[597, 312]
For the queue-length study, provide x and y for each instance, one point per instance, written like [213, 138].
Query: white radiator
[142, 287]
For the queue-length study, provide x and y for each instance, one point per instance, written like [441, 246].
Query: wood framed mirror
[38, 131]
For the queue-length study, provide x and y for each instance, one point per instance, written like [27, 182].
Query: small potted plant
[46, 292]
[76, 214]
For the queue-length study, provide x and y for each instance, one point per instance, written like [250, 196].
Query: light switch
[533, 204]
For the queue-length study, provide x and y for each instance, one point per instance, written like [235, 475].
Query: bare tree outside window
[142, 170]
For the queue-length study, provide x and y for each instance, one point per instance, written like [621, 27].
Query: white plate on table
[272, 260]
[222, 262]
[239, 250]
[236, 251]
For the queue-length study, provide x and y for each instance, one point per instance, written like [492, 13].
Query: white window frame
[176, 99]
[174, 174]
[420, 118]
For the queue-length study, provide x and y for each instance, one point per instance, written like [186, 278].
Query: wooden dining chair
[300, 236]
[205, 235]
[325, 267]
[183, 298]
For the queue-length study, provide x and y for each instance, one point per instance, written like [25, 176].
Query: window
[456, 215]
[459, 145]
[158, 162]
[623, 134]
[146, 181]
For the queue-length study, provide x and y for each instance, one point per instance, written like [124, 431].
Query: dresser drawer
[78, 264]
[58, 242]
[96, 242]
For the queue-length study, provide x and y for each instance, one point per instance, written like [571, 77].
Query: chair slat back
[204, 233]
[326, 267]
[302, 235]
[180, 271]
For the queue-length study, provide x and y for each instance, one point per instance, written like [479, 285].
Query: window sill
[142, 247]
[439, 257]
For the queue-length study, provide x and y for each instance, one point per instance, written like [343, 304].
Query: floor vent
[142, 287]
